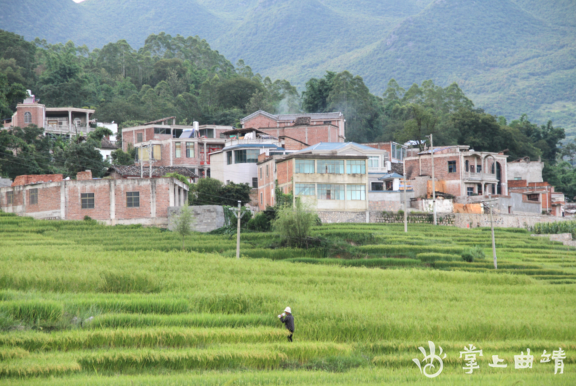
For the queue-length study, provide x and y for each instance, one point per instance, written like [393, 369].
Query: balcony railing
[236, 141]
[62, 126]
[480, 176]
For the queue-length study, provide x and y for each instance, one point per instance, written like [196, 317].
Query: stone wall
[466, 220]
[330, 217]
[207, 217]
[380, 217]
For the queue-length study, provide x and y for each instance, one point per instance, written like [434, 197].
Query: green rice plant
[12, 353]
[182, 320]
[429, 257]
[142, 305]
[33, 311]
[139, 338]
[407, 250]
[126, 282]
[368, 263]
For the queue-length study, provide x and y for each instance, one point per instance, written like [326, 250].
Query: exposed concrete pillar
[153, 198]
[205, 155]
[171, 191]
[63, 200]
[112, 202]
[70, 122]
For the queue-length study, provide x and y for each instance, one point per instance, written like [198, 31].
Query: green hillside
[511, 56]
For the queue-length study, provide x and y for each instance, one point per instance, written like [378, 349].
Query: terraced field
[84, 304]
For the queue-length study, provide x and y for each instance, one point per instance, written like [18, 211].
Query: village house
[307, 128]
[458, 171]
[163, 143]
[111, 201]
[61, 121]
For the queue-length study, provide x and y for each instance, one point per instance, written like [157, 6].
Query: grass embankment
[78, 304]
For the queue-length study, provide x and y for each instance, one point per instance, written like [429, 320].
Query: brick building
[308, 128]
[552, 202]
[175, 145]
[64, 121]
[459, 170]
[111, 201]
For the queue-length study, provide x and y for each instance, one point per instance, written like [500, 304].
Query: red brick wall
[48, 199]
[36, 178]
[125, 213]
[260, 121]
[266, 184]
[162, 196]
[290, 144]
[284, 171]
[517, 184]
[81, 176]
[37, 112]
[413, 168]
[101, 192]
[311, 135]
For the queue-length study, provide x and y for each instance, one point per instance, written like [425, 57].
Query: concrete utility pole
[405, 204]
[490, 204]
[150, 161]
[238, 213]
[433, 184]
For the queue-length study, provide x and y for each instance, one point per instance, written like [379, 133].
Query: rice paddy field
[85, 304]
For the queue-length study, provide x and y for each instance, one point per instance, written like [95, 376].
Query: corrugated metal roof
[390, 176]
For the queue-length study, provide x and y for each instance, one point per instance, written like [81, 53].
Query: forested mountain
[510, 56]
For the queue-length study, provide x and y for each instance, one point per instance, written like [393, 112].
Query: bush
[430, 257]
[474, 253]
[262, 222]
[294, 224]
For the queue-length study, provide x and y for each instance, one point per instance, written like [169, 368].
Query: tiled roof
[157, 171]
[106, 144]
[292, 117]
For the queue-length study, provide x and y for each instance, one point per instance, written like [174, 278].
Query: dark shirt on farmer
[288, 321]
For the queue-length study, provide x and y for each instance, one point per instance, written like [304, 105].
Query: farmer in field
[288, 321]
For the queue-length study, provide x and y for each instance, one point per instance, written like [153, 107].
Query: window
[373, 162]
[9, 198]
[467, 165]
[331, 166]
[330, 192]
[139, 137]
[389, 185]
[356, 192]
[228, 158]
[157, 152]
[262, 198]
[133, 199]
[378, 186]
[305, 190]
[478, 168]
[33, 196]
[356, 167]
[304, 166]
[162, 130]
[470, 191]
[87, 200]
[533, 197]
[208, 133]
[178, 149]
[327, 122]
[255, 182]
[451, 166]
[267, 173]
[246, 156]
[517, 178]
[189, 149]
[143, 154]
[27, 117]
[260, 172]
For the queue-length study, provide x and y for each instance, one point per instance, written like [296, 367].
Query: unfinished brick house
[552, 202]
[308, 128]
[163, 143]
[111, 201]
[459, 170]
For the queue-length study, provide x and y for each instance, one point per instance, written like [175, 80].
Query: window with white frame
[27, 117]
[305, 190]
[356, 192]
[178, 150]
[304, 166]
[331, 166]
[377, 186]
[355, 167]
[373, 162]
[330, 192]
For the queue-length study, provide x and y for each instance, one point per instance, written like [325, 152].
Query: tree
[26, 151]
[294, 224]
[183, 222]
[422, 122]
[206, 192]
[120, 157]
[79, 156]
[231, 193]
